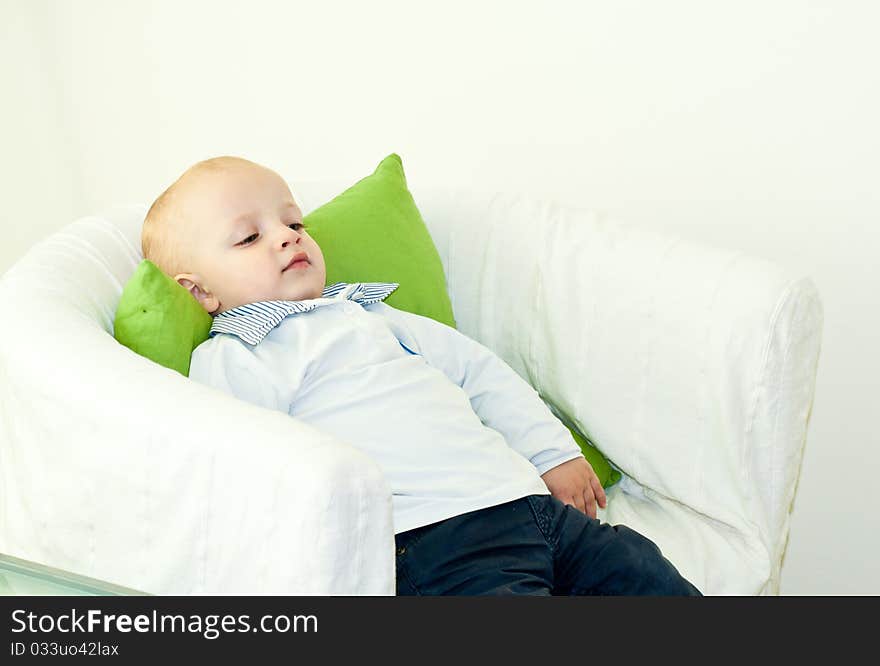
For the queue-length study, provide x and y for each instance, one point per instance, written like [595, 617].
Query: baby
[490, 494]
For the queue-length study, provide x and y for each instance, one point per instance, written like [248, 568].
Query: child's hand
[574, 482]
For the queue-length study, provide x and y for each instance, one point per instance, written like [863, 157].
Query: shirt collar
[253, 322]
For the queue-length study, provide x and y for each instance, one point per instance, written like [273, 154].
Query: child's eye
[297, 224]
[247, 241]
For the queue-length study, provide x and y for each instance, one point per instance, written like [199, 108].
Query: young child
[490, 494]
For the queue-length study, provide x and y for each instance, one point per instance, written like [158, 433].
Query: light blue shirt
[453, 427]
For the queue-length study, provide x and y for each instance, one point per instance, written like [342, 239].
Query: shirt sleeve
[230, 365]
[502, 399]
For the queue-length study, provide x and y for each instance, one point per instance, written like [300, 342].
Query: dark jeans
[533, 545]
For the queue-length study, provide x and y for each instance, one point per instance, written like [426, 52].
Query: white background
[749, 125]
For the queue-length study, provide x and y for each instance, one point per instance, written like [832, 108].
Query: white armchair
[692, 368]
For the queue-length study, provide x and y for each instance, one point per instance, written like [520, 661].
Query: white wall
[748, 124]
[41, 186]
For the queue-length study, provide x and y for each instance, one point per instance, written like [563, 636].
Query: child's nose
[290, 236]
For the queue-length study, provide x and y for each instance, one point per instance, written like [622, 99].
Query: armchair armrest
[116, 468]
[692, 368]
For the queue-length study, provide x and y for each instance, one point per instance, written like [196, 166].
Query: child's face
[246, 233]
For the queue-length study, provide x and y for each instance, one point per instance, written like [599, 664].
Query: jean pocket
[539, 507]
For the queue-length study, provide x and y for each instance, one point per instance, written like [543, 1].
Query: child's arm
[505, 402]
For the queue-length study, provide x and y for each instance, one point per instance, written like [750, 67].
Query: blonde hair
[165, 224]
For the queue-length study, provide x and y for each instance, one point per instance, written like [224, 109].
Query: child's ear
[193, 284]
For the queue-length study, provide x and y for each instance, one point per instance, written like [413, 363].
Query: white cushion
[116, 468]
[691, 368]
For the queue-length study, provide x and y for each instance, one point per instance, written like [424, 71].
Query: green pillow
[371, 232]
[159, 319]
[608, 476]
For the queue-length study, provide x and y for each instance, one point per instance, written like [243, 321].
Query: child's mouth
[299, 261]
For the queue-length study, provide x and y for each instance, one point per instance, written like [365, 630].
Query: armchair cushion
[91, 482]
[692, 367]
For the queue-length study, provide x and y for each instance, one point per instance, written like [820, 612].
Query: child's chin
[304, 295]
